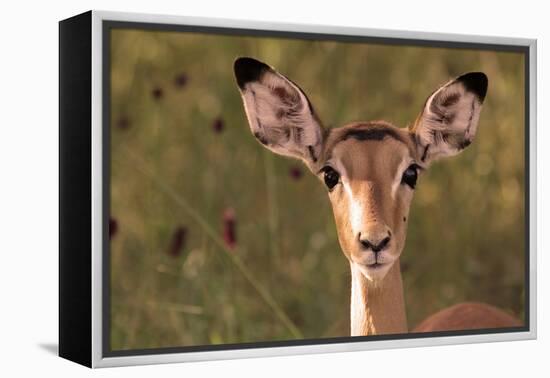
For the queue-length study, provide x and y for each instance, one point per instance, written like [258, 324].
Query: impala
[370, 170]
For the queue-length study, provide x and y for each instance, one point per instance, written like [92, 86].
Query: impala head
[370, 169]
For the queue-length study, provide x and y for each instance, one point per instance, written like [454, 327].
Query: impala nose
[374, 243]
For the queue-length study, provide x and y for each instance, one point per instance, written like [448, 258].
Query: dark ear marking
[425, 153]
[475, 82]
[312, 153]
[450, 100]
[286, 97]
[260, 126]
[465, 143]
[247, 70]
[439, 108]
[472, 109]
[260, 138]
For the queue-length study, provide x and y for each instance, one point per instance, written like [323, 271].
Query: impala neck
[377, 308]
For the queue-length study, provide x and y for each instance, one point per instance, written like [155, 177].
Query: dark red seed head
[123, 123]
[181, 80]
[218, 125]
[295, 173]
[157, 93]
[113, 227]
[177, 244]
[229, 228]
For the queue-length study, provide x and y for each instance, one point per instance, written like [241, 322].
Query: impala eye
[410, 176]
[331, 177]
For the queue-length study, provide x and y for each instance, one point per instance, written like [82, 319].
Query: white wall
[28, 200]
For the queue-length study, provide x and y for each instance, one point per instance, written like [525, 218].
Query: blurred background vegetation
[216, 240]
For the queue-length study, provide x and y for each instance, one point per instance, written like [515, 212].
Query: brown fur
[467, 315]
[379, 309]
[371, 166]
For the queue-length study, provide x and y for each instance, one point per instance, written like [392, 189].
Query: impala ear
[279, 113]
[448, 122]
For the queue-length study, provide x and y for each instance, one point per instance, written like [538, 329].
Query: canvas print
[278, 189]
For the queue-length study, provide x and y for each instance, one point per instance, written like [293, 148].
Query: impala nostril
[383, 244]
[366, 244]
[375, 247]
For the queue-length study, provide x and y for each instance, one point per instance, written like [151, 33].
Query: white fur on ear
[279, 113]
[449, 121]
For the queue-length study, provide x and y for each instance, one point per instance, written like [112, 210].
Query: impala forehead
[370, 160]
